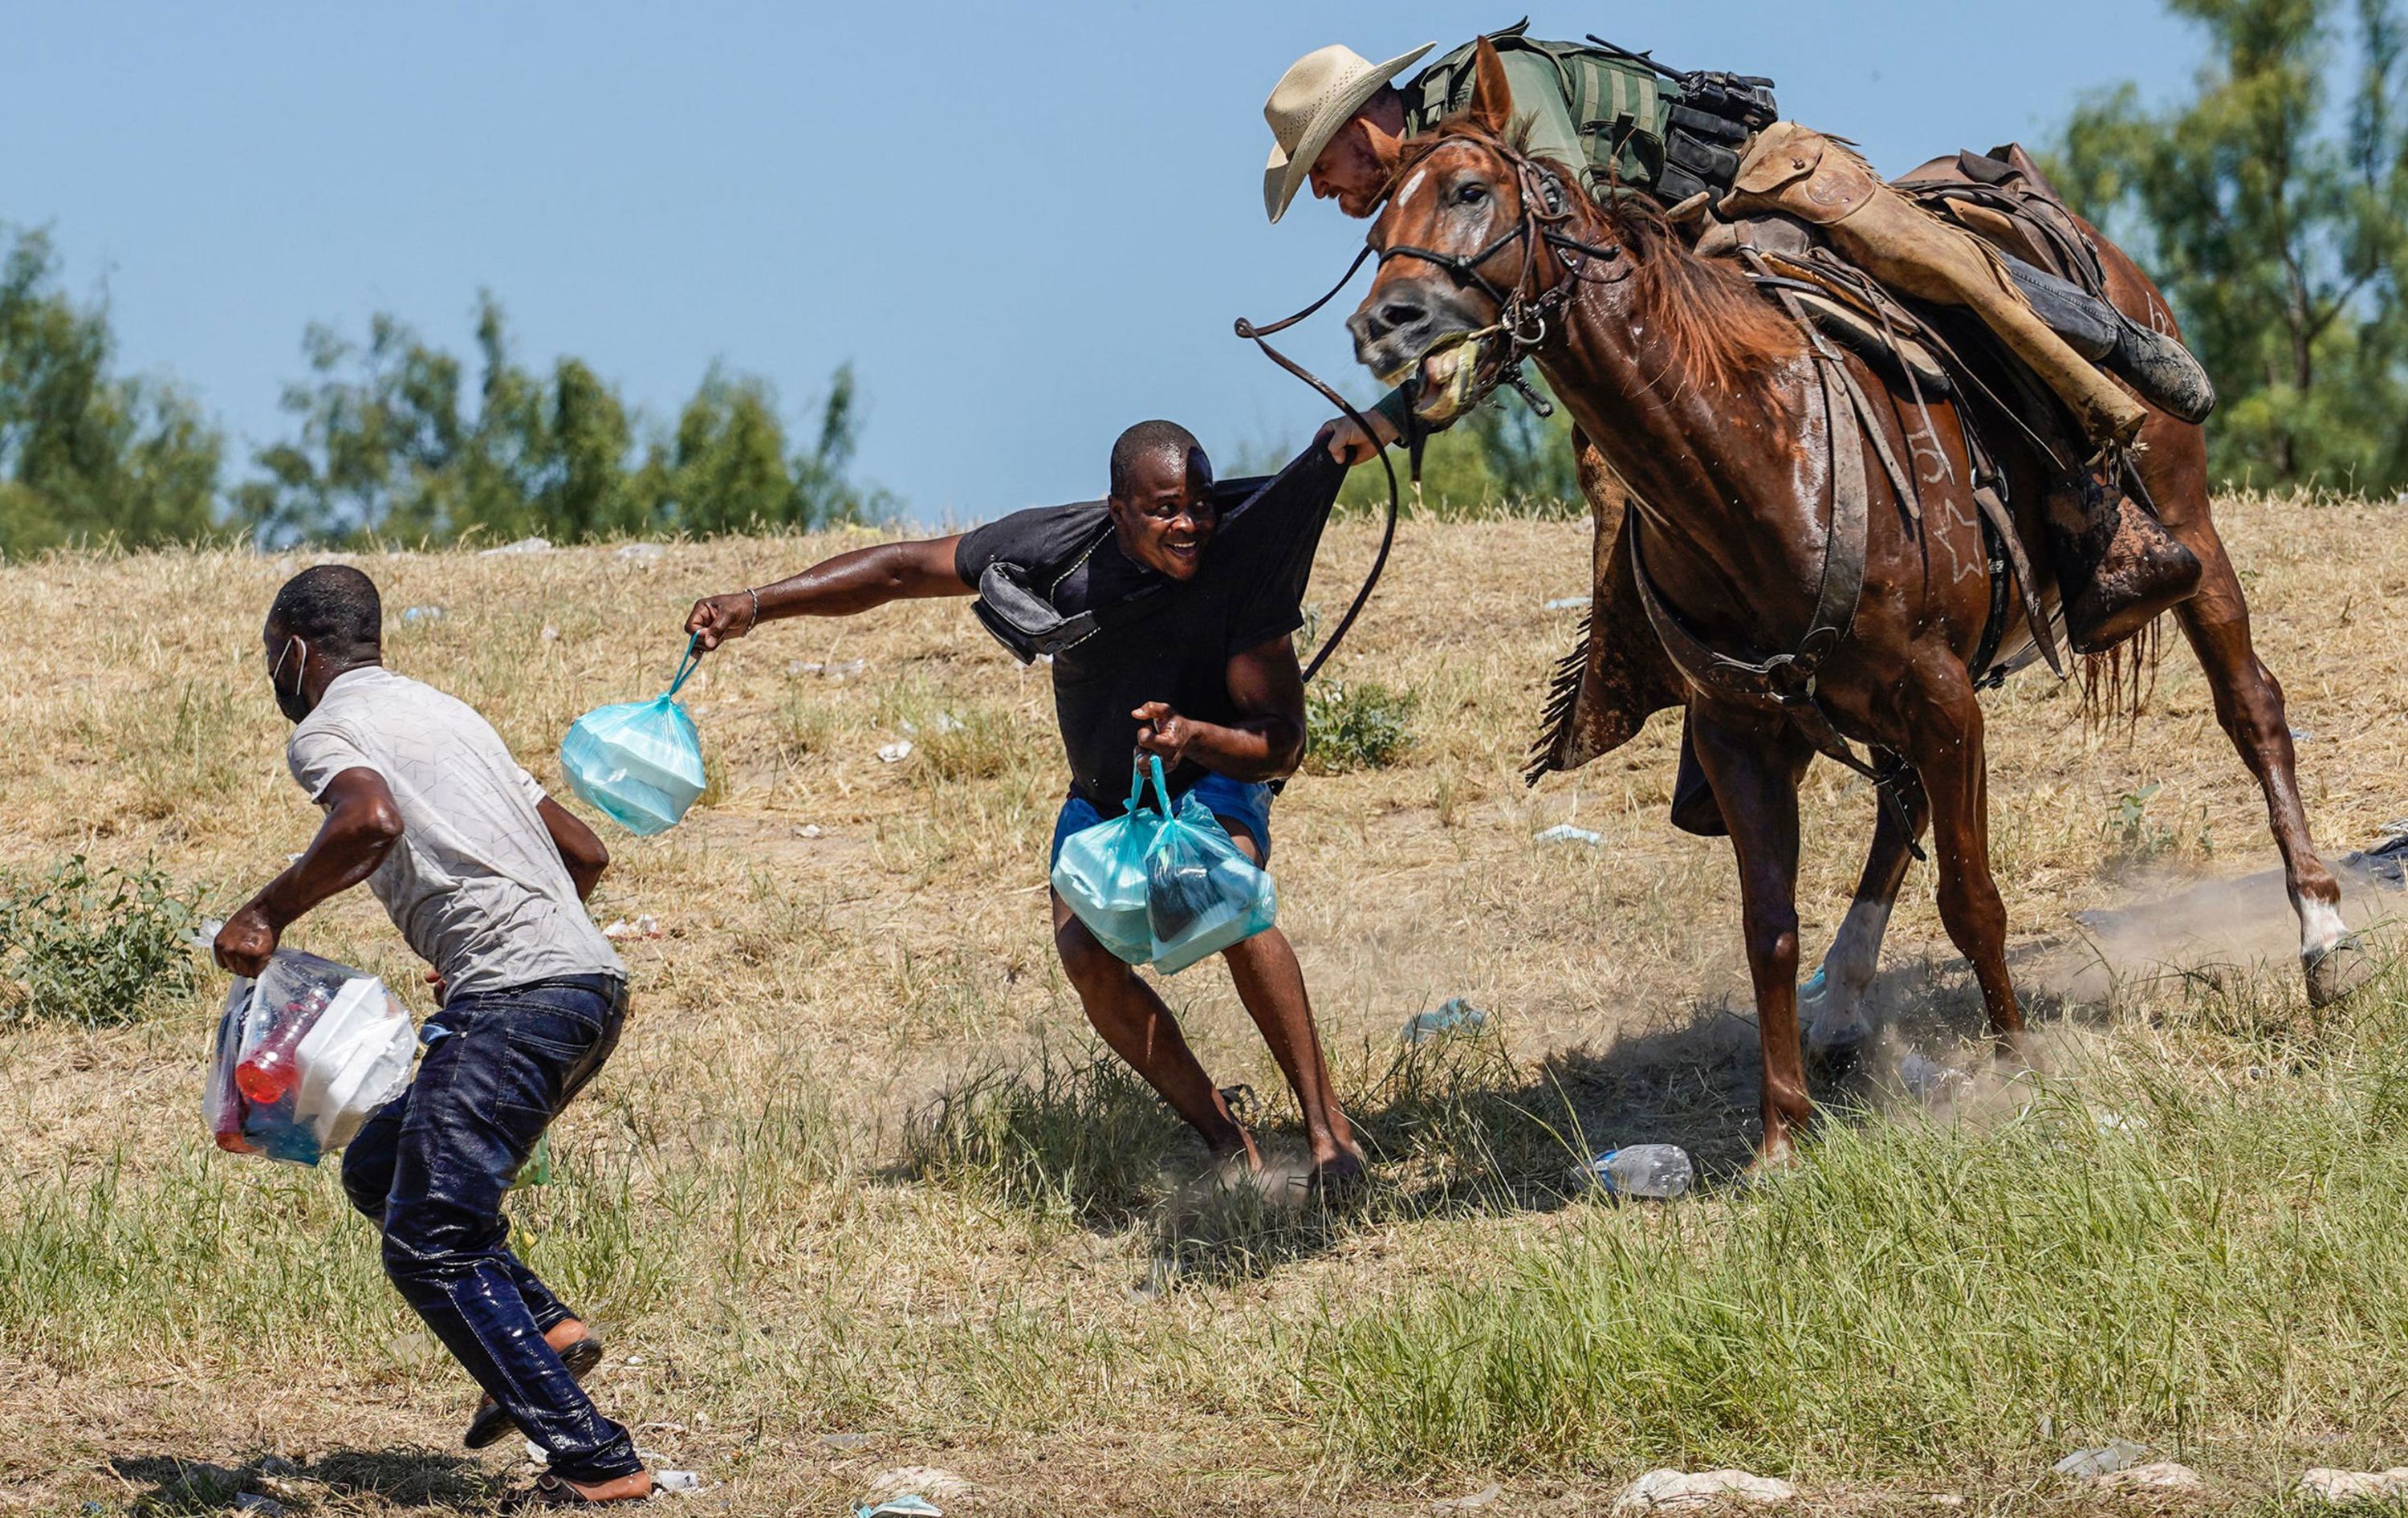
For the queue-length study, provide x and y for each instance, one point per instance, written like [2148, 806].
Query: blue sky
[1025, 228]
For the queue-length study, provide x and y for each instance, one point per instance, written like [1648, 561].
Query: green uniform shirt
[1581, 107]
[1603, 117]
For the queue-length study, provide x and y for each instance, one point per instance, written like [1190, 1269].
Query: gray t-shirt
[476, 883]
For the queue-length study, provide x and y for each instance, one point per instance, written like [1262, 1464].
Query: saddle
[1922, 354]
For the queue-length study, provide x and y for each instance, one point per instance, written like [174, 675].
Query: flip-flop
[550, 1491]
[490, 1423]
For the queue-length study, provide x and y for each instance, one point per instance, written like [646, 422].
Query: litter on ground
[1681, 1491]
[1567, 833]
[1471, 1501]
[2085, 1464]
[2160, 1476]
[524, 545]
[1454, 1016]
[895, 752]
[2326, 1484]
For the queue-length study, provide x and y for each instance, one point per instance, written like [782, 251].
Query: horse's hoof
[2333, 973]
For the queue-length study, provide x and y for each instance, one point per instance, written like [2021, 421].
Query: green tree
[390, 448]
[85, 453]
[2276, 218]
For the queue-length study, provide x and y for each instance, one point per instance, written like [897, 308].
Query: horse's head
[1465, 250]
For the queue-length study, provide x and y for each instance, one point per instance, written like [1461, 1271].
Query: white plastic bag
[303, 1056]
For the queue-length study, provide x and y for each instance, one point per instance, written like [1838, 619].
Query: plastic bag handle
[687, 665]
[1161, 791]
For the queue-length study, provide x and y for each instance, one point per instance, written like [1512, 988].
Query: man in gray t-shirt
[476, 882]
[486, 875]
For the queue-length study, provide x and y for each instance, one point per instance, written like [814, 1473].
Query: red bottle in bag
[228, 1132]
[271, 1070]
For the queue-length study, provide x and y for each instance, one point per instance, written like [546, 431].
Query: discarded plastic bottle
[1454, 1016]
[1657, 1170]
[270, 1071]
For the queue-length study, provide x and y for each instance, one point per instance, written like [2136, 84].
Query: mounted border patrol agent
[1706, 146]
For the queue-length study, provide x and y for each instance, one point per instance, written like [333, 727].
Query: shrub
[1356, 726]
[92, 947]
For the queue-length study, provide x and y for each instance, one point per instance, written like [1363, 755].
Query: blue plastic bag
[641, 762]
[1201, 895]
[1101, 874]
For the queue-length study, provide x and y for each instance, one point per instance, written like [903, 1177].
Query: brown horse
[1734, 428]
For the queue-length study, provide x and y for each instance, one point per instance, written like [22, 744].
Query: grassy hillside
[857, 1193]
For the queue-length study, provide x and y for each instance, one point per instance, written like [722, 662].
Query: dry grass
[853, 1171]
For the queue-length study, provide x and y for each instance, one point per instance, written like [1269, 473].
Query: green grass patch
[1355, 724]
[2133, 1252]
[92, 947]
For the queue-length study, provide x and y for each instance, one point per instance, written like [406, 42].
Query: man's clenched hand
[1164, 733]
[718, 618]
[244, 944]
[1347, 443]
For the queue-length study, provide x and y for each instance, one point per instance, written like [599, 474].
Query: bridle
[1522, 319]
[1523, 314]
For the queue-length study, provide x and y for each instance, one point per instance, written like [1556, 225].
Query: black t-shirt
[1177, 643]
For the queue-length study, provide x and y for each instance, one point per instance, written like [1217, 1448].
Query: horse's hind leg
[1833, 1001]
[2249, 705]
[1754, 766]
[1948, 753]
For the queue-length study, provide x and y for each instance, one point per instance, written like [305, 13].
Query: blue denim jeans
[430, 1167]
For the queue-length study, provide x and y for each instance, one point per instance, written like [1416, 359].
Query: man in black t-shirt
[1195, 591]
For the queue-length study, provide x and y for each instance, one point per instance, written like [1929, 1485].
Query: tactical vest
[1637, 130]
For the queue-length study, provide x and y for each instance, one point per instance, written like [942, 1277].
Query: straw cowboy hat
[1314, 98]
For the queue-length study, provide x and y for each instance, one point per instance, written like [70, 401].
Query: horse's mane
[1719, 328]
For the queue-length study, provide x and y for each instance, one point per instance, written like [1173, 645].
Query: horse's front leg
[1754, 761]
[1833, 999]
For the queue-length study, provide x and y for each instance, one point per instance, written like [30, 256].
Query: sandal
[550, 1491]
[490, 1423]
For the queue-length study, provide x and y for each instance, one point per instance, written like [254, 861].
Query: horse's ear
[1492, 98]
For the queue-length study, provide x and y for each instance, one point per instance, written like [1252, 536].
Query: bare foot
[550, 1491]
[626, 1488]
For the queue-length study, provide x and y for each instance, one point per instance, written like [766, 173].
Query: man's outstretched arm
[836, 587]
[362, 826]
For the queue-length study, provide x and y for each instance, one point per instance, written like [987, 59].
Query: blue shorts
[1245, 805]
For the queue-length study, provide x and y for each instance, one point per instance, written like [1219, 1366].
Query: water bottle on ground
[1659, 1171]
